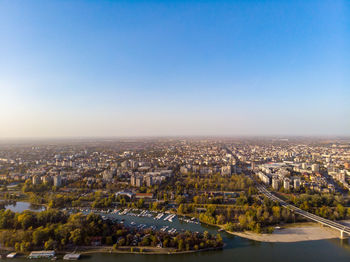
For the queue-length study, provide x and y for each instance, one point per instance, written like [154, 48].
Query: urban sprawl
[212, 181]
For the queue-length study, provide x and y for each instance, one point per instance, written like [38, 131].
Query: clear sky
[149, 68]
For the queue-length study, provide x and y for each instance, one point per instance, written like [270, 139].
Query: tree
[220, 219]
[76, 236]
[180, 199]
[50, 244]
[180, 245]
[26, 219]
[40, 235]
[109, 240]
[181, 209]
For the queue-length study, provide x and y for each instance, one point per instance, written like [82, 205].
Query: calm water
[242, 250]
[21, 206]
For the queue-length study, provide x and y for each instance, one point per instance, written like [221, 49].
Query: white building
[315, 168]
[286, 184]
[275, 183]
[57, 181]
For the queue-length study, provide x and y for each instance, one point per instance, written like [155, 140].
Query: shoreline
[109, 250]
[289, 233]
[156, 251]
[298, 232]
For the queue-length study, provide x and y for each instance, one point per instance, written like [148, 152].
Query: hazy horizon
[95, 69]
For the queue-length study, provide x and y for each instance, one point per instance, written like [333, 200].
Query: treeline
[250, 215]
[182, 241]
[328, 206]
[53, 229]
[60, 200]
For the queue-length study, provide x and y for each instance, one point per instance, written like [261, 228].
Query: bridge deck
[318, 219]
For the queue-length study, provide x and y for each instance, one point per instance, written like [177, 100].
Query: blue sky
[149, 68]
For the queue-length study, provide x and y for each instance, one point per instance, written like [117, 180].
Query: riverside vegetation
[54, 229]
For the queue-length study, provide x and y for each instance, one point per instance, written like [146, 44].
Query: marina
[144, 219]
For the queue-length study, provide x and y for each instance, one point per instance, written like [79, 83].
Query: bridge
[326, 222]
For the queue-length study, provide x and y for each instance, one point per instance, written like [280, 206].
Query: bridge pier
[342, 234]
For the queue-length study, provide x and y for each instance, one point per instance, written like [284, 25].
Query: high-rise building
[149, 181]
[36, 180]
[275, 183]
[286, 184]
[57, 181]
[315, 168]
[133, 180]
[138, 182]
[296, 182]
[253, 165]
[264, 178]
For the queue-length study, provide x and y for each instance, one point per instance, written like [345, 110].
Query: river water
[243, 250]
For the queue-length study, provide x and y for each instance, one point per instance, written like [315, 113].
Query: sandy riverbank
[293, 233]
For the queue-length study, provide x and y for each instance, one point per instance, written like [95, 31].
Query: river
[243, 250]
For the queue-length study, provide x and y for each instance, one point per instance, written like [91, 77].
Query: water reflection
[21, 206]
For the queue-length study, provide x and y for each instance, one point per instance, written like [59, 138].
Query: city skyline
[116, 69]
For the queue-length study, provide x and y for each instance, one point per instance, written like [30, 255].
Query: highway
[326, 222]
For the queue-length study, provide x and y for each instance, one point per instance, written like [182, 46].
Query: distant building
[138, 182]
[341, 176]
[275, 183]
[57, 181]
[253, 165]
[36, 180]
[47, 179]
[134, 164]
[124, 164]
[264, 178]
[133, 180]
[286, 184]
[107, 175]
[183, 170]
[226, 170]
[315, 168]
[149, 181]
[347, 165]
[144, 195]
[296, 182]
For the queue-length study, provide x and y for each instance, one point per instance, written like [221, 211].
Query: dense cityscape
[208, 181]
